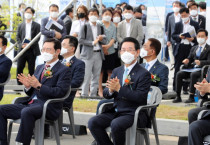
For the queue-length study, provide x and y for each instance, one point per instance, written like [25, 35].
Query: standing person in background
[82, 19]
[202, 6]
[68, 19]
[54, 12]
[27, 31]
[130, 27]
[21, 10]
[110, 31]
[117, 18]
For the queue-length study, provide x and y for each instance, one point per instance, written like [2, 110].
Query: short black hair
[69, 10]
[155, 44]
[72, 41]
[107, 9]
[202, 30]
[32, 10]
[21, 4]
[57, 43]
[54, 5]
[190, 1]
[131, 39]
[4, 40]
[183, 5]
[128, 7]
[193, 4]
[176, 2]
[93, 10]
[202, 5]
[182, 10]
[137, 10]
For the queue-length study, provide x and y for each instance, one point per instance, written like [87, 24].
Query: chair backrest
[8, 78]
[154, 96]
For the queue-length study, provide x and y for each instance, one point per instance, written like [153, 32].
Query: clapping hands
[28, 81]
[113, 85]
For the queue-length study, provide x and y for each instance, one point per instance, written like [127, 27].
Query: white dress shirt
[177, 18]
[69, 58]
[95, 32]
[186, 28]
[151, 63]
[28, 30]
[128, 28]
[76, 26]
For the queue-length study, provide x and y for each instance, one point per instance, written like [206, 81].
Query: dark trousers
[28, 114]
[194, 77]
[193, 114]
[119, 123]
[183, 52]
[102, 102]
[28, 57]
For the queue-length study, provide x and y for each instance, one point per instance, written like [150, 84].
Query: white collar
[91, 24]
[69, 58]
[203, 45]
[29, 22]
[53, 64]
[152, 62]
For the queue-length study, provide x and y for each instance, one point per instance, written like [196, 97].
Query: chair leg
[154, 124]
[139, 138]
[71, 119]
[37, 133]
[146, 137]
[56, 133]
[9, 131]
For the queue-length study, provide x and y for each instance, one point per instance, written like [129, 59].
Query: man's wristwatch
[38, 88]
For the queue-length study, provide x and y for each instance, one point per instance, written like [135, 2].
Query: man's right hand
[24, 80]
[95, 41]
[185, 61]
[168, 43]
[24, 45]
[58, 35]
[182, 37]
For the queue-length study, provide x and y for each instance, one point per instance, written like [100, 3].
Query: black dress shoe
[190, 100]
[185, 92]
[94, 143]
[177, 100]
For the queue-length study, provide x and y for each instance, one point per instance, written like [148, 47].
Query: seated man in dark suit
[5, 64]
[198, 129]
[77, 66]
[150, 52]
[54, 12]
[198, 57]
[129, 86]
[50, 80]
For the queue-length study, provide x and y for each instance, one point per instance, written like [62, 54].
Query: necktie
[64, 60]
[125, 74]
[195, 19]
[199, 52]
[147, 66]
[46, 67]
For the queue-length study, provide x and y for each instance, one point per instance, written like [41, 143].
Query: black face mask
[81, 15]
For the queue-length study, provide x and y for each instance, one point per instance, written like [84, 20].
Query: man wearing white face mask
[182, 44]
[174, 18]
[54, 12]
[193, 7]
[198, 57]
[130, 27]
[202, 6]
[129, 86]
[150, 52]
[26, 32]
[92, 37]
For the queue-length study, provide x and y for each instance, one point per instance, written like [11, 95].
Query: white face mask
[107, 18]
[128, 16]
[63, 51]
[127, 57]
[143, 53]
[185, 19]
[28, 16]
[54, 14]
[201, 41]
[175, 9]
[193, 12]
[47, 57]
[116, 19]
[93, 19]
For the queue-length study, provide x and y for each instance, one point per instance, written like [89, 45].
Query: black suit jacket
[204, 57]
[166, 23]
[67, 22]
[131, 96]
[178, 30]
[35, 29]
[202, 21]
[54, 87]
[77, 68]
[5, 66]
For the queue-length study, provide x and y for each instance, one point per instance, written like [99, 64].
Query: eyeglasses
[46, 49]
[65, 45]
[128, 50]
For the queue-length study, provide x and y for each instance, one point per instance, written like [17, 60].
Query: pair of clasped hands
[113, 85]
[28, 81]
[203, 87]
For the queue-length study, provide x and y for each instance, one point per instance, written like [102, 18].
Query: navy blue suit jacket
[5, 66]
[77, 74]
[51, 34]
[131, 96]
[178, 30]
[54, 87]
[162, 72]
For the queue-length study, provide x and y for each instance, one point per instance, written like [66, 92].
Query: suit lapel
[24, 30]
[2, 58]
[182, 27]
[90, 30]
[32, 29]
[124, 28]
[132, 26]
[154, 67]
[120, 77]
[134, 70]
[173, 20]
[40, 72]
[203, 52]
